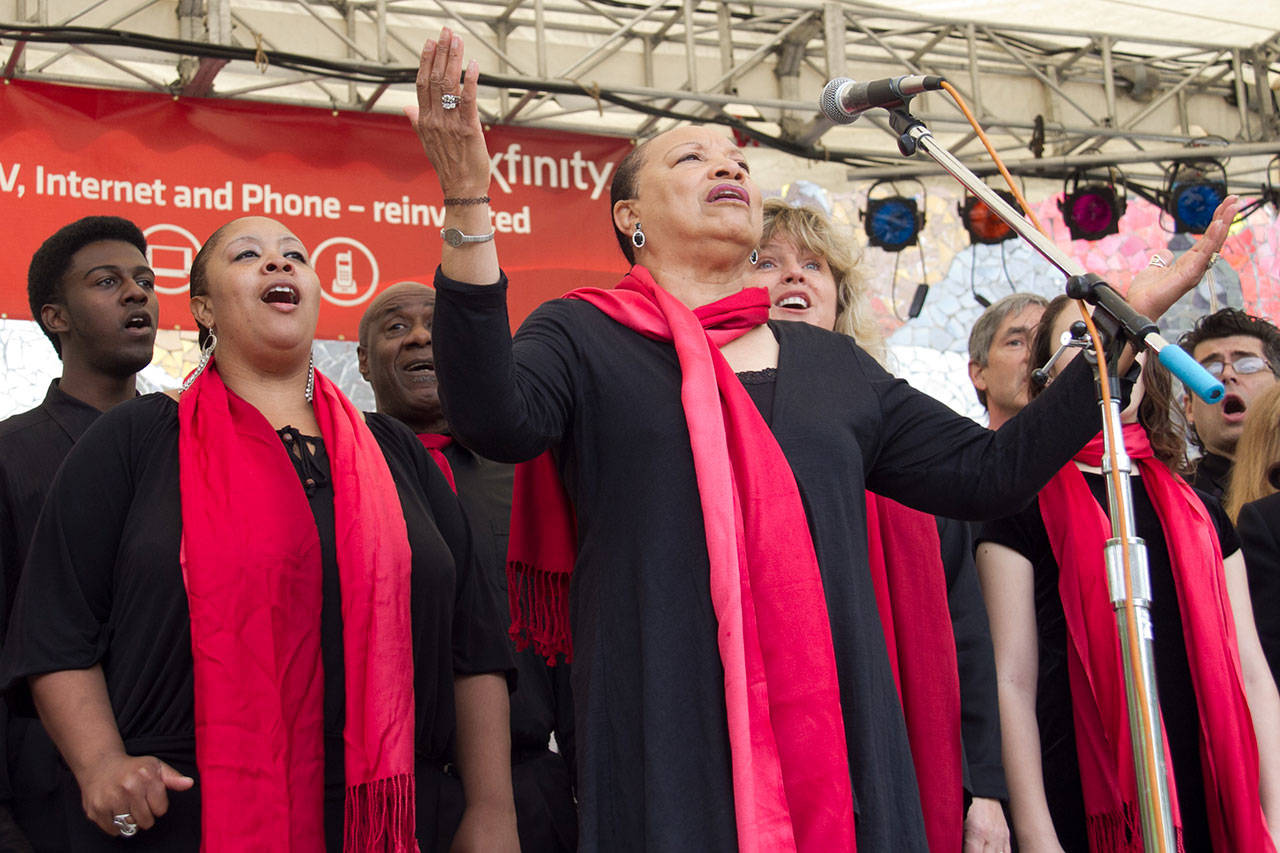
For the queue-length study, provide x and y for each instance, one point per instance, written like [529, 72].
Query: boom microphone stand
[1118, 322]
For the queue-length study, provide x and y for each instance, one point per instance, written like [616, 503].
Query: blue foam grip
[1198, 380]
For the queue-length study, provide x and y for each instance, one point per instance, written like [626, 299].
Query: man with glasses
[1243, 352]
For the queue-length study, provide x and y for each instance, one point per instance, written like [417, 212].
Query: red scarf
[435, 445]
[791, 782]
[1077, 530]
[911, 591]
[541, 550]
[251, 564]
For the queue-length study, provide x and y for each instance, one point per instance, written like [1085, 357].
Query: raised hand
[446, 118]
[1155, 289]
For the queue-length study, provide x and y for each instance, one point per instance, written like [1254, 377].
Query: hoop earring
[311, 377]
[206, 356]
[637, 237]
[753, 257]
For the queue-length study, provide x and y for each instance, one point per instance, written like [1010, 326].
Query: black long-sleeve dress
[653, 751]
[103, 585]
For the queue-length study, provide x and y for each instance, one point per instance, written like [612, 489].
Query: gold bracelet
[463, 202]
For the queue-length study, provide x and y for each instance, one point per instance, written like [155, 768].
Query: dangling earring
[311, 377]
[206, 355]
[753, 257]
[637, 237]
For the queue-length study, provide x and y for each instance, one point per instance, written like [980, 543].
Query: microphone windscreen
[829, 103]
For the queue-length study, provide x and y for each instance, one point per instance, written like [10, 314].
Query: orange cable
[1117, 483]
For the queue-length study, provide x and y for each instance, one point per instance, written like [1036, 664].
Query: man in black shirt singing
[396, 359]
[91, 289]
[1243, 351]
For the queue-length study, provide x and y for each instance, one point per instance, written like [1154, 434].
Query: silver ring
[450, 102]
[1157, 261]
[124, 823]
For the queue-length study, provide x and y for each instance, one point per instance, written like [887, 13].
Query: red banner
[355, 188]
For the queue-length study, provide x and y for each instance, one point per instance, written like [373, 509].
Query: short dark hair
[1233, 321]
[199, 281]
[52, 260]
[624, 187]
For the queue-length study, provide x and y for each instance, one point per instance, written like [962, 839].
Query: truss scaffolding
[1053, 99]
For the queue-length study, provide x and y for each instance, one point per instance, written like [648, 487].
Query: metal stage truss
[1054, 99]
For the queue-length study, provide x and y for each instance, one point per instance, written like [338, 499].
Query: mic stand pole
[1121, 321]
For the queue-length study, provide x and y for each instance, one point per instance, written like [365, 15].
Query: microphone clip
[1077, 337]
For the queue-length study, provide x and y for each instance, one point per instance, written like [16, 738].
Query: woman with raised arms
[731, 683]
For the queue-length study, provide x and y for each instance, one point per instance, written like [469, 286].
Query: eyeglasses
[1243, 366]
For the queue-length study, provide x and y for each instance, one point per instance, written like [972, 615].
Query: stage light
[983, 225]
[1092, 210]
[892, 222]
[1193, 190]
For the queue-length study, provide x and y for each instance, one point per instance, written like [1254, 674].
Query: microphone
[843, 100]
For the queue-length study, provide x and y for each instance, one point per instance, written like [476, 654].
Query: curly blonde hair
[811, 230]
[1257, 463]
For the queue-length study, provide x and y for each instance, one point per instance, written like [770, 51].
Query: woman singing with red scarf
[1063, 712]
[251, 610]
[732, 688]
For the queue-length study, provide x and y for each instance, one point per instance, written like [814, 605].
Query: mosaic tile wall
[929, 350]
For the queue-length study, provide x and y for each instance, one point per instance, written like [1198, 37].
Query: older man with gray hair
[999, 347]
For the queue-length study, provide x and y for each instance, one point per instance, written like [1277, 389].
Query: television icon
[170, 261]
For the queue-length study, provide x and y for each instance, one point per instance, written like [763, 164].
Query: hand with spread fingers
[446, 118]
[1155, 289]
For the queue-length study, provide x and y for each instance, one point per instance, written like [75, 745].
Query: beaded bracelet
[480, 199]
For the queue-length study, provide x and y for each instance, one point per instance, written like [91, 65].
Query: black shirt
[542, 702]
[32, 446]
[1025, 533]
[1213, 473]
[104, 586]
[653, 753]
[1259, 526]
[975, 660]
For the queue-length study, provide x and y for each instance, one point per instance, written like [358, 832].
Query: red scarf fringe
[378, 816]
[1120, 831]
[539, 602]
